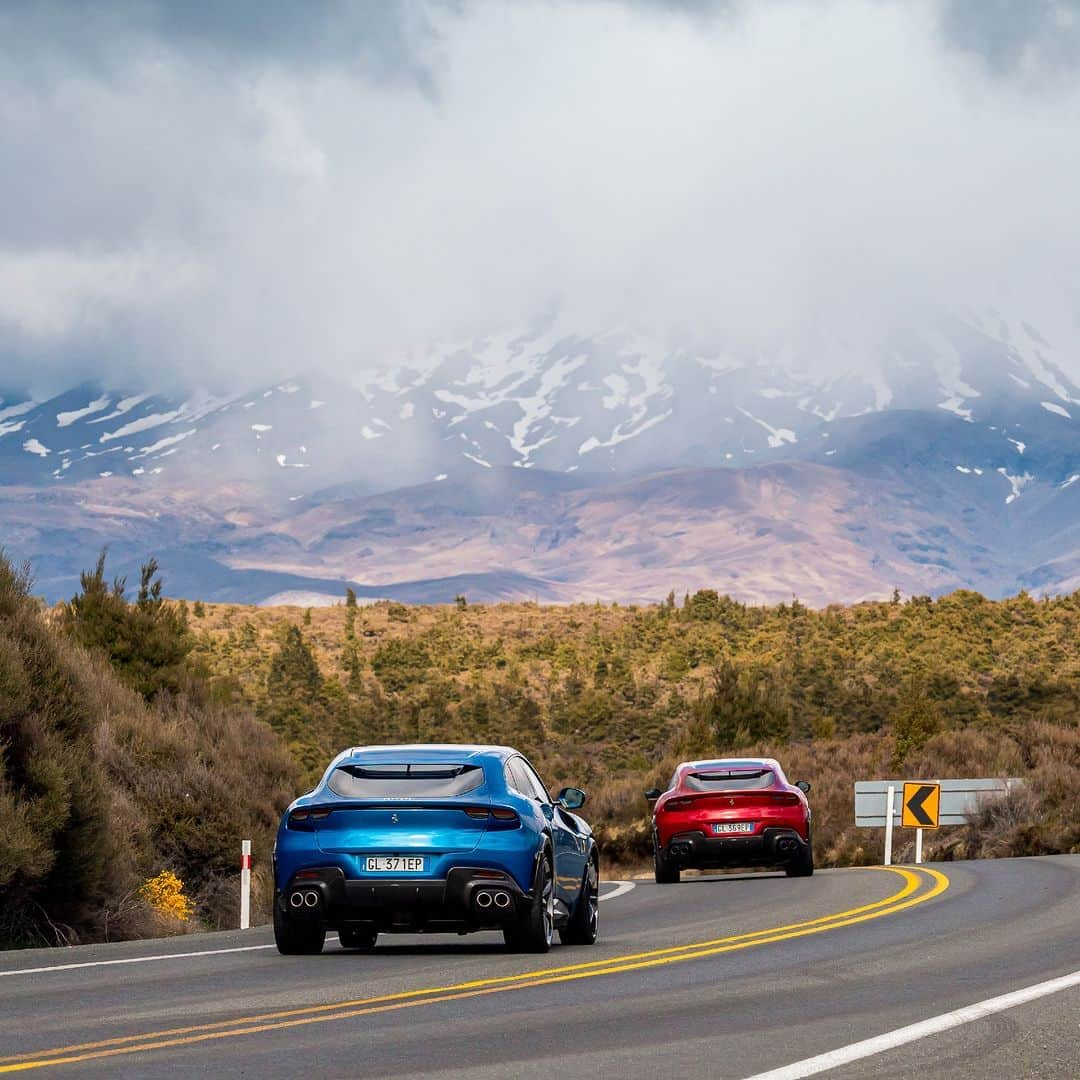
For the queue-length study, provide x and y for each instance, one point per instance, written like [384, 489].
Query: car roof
[424, 752]
[732, 763]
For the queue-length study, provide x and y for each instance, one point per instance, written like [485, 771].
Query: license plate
[727, 828]
[394, 864]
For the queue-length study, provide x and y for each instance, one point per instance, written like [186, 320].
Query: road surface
[732, 976]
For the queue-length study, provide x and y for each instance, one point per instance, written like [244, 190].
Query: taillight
[504, 818]
[319, 815]
[300, 819]
[479, 813]
[678, 804]
[787, 799]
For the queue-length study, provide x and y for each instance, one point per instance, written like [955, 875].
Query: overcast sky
[205, 193]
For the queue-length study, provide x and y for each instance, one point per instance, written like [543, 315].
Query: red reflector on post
[245, 862]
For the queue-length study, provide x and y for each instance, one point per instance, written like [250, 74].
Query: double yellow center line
[918, 886]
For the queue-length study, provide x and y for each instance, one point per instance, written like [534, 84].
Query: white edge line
[134, 960]
[913, 1032]
[620, 890]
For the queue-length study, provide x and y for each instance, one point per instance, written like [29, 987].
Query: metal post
[889, 796]
[245, 884]
[918, 846]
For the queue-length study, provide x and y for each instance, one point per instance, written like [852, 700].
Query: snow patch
[1017, 483]
[962, 468]
[66, 419]
[316, 404]
[144, 423]
[369, 433]
[1020, 446]
[33, 446]
[169, 440]
[478, 460]
[124, 405]
[1051, 406]
[441, 476]
[407, 410]
[262, 427]
[777, 436]
[1072, 480]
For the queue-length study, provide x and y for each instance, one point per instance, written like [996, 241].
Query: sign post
[890, 794]
[245, 884]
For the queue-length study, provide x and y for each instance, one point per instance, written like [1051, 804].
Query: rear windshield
[730, 780]
[405, 781]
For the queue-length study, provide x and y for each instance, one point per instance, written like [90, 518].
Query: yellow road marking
[158, 1040]
[911, 883]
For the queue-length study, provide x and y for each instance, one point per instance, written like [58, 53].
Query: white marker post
[890, 794]
[245, 884]
[918, 846]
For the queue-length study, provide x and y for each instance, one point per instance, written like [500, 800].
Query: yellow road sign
[921, 805]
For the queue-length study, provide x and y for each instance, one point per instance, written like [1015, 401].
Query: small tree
[915, 721]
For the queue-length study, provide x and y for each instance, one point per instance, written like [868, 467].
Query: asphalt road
[720, 977]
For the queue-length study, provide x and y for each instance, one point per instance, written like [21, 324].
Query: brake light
[678, 804]
[480, 813]
[503, 813]
[319, 815]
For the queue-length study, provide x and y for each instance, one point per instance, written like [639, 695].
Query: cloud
[220, 193]
[1036, 39]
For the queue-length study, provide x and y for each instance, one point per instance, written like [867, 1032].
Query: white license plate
[727, 828]
[394, 864]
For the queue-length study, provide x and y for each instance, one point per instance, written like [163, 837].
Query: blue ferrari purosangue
[407, 839]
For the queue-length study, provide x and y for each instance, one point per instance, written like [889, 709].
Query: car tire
[581, 929]
[297, 939]
[665, 871]
[534, 931]
[803, 864]
[363, 940]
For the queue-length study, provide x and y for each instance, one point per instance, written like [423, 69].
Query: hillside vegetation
[141, 739]
[610, 697]
[125, 787]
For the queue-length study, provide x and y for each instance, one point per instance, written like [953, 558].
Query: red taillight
[787, 799]
[480, 813]
[490, 875]
[503, 813]
[299, 815]
[678, 804]
[309, 875]
[319, 815]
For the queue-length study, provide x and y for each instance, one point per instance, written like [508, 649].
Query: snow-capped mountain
[968, 428]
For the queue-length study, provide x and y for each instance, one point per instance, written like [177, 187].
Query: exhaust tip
[483, 899]
[502, 900]
[311, 899]
[296, 900]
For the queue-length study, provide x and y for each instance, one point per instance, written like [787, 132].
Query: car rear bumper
[470, 898]
[775, 846]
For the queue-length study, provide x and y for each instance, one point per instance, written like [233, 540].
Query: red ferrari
[734, 812]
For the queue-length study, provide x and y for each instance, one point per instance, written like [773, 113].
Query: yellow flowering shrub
[165, 894]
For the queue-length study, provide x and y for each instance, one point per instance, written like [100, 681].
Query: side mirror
[571, 798]
[803, 786]
[653, 794]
